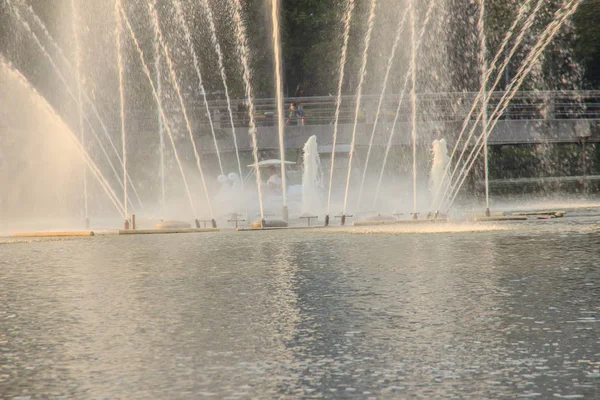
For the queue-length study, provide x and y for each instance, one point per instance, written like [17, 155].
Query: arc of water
[162, 112]
[338, 104]
[391, 59]
[407, 77]
[279, 95]
[216, 44]
[544, 40]
[154, 15]
[363, 74]
[118, 31]
[243, 52]
[74, 25]
[161, 133]
[524, 30]
[188, 38]
[515, 47]
[484, 99]
[86, 158]
[413, 97]
[59, 73]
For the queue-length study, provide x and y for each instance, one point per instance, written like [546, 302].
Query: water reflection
[311, 315]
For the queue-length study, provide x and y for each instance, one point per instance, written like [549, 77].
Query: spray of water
[119, 29]
[437, 179]
[407, 78]
[165, 48]
[75, 24]
[363, 74]
[561, 16]
[413, 99]
[344, 55]
[217, 46]
[86, 158]
[161, 132]
[160, 108]
[190, 44]
[521, 14]
[380, 103]
[312, 177]
[484, 98]
[242, 48]
[59, 73]
[279, 94]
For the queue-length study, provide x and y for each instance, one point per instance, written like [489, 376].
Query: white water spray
[161, 110]
[279, 95]
[437, 178]
[75, 25]
[338, 104]
[190, 44]
[413, 100]
[242, 48]
[407, 78]
[380, 103]
[363, 74]
[86, 157]
[119, 29]
[154, 16]
[221, 63]
[87, 99]
[312, 178]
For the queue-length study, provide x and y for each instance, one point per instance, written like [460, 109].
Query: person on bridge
[292, 114]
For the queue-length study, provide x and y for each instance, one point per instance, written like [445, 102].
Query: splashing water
[67, 87]
[242, 48]
[413, 100]
[161, 132]
[437, 178]
[312, 178]
[380, 103]
[363, 74]
[188, 39]
[119, 29]
[154, 16]
[407, 78]
[279, 94]
[74, 26]
[161, 110]
[39, 99]
[221, 63]
[85, 96]
[544, 39]
[343, 57]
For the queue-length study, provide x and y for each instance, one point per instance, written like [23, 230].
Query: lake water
[452, 312]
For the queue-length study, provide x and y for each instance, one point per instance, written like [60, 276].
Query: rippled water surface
[503, 313]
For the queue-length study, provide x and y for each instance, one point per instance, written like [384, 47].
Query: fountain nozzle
[327, 220]
[488, 212]
[126, 224]
[214, 223]
[197, 223]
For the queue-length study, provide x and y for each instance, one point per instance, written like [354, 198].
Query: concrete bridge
[530, 118]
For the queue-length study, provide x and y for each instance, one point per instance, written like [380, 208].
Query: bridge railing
[539, 105]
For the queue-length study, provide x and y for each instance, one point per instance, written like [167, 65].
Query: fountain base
[271, 223]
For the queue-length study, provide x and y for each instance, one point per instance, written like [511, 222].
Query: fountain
[312, 179]
[176, 82]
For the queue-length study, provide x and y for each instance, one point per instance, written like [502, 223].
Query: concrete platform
[53, 234]
[164, 231]
[273, 223]
[501, 219]
[494, 214]
[401, 222]
[557, 214]
[289, 228]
